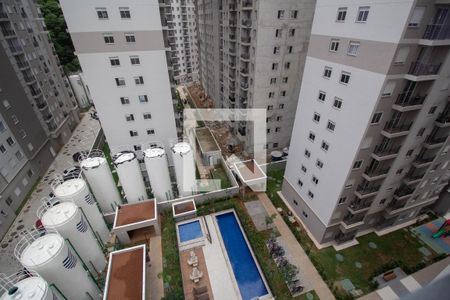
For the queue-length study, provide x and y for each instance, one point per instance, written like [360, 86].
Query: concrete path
[299, 256]
[154, 285]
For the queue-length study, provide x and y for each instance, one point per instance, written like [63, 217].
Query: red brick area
[188, 284]
[137, 212]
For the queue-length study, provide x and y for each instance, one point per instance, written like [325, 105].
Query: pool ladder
[208, 235]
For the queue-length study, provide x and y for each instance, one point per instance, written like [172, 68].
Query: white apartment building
[251, 55]
[180, 25]
[123, 54]
[370, 142]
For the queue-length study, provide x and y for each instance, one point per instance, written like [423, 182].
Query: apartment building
[252, 55]
[125, 60]
[370, 142]
[37, 111]
[179, 24]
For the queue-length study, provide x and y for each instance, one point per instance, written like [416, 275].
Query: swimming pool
[189, 231]
[245, 271]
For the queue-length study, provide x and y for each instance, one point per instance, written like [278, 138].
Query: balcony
[232, 99]
[232, 37]
[363, 192]
[443, 120]
[244, 72]
[232, 51]
[434, 142]
[395, 207]
[437, 32]
[8, 31]
[382, 152]
[392, 129]
[413, 178]
[29, 79]
[245, 56]
[352, 221]
[406, 102]
[246, 23]
[41, 105]
[247, 5]
[244, 86]
[47, 118]
[246, 40]
[403, 192]
[423, 71]
[421, 162]
[372, 174]
[359, 206]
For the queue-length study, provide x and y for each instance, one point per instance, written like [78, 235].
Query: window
[345, 77]
[137, 147]
[319, 164]
[291, 32]
[281, 106]
[337, 103]
[322, 96]
[315, 180]
[325, 146]
[303, 168]
[417, 16]
[275, 66]
[9, 201]
[402, 55]
[138, 80]
[271, 94]
[357, 164]
[114, 61]
[334, 45]
[388, 88]
[120, 81]
[278, 33]
[124, 100]
[102, 13]
[276, 50]
[108, 38]
[410, 152]
[2, 127]
[312, 136]
[353, 48]
[143, 98]
[342, 200]
[307, 153]
[147, 116]
[327, 72]
[300, 183]
[150, 131]
[2, 149]
[376, 118]
[130, 38]
[331, 125]
[290, 48]
[135, 60]
[421, 131]
[275, 145]
[125, 13]
[133, 133]
[15, 119]
[269, 107]
[30, 173]
[316, 118]
[19, 155]
[341, 14]
[280, 14]
[277, 129]
[363, 13]
[287, 65]
[279, 118]
[129, 117]
[273, 80]
[310, 195]
[430, 112]
[294, 14]
[23, 133]
[10, 141]
[285, 79]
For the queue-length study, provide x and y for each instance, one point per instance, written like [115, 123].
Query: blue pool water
[189, 231]
[244, 267]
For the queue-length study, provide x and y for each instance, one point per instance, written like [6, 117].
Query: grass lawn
[219, 173]
[399, 246]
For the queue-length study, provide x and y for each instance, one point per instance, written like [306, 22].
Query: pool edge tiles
[246, 270]
[194, 241]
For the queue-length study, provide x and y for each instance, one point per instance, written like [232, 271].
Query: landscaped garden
[360, 263]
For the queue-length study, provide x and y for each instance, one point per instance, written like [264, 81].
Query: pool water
[245, 271]
[189, 231]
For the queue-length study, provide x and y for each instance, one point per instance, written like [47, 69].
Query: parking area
[82, 138]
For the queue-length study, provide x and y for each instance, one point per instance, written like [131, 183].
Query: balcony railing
[393, 127]
[246, 23]
[355, 206]
[396, 205]
[423, 160]
[364, 190]
[444, 117]
[422, 69]
[247, 4]
[245, 56]
[8, 32]
[405, 99]
[437, 32]
[246, 39]
[374, 172]
[403, 191]
[382, 150]
[413, 177]
[351, 219]
[435, 140]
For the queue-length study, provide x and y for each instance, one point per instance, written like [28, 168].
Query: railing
[15, 48]
[41, 105]
[444, 117]
[246, 39]
[247, 4]
[392, 127]
[22, 64]
[413, 177]
[364, 190]
[437, 32]
[382, 150]
[359, 205]
[351, 219]
[405, 99]
[8, 32]
[3, 14]
[403, 191]
[373, 172]
[246, 23]
[232, 99]
[396, 205]
[420, 69]
[244, 71]
[244, 85]
[245, 56]
[435, 140]
[423, 160]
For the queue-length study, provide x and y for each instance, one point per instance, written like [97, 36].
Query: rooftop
[136, 212]
[206, 140]
[249, 170]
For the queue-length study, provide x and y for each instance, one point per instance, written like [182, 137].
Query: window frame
[344, 13]
[363, 11]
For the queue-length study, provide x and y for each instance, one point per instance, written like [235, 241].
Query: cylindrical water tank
[25, 285]
[98, 175]
[158, 173]
[183, 159]
[77, 191]
[130, 176]
[49, 255]
[67, 219]
[79, 90]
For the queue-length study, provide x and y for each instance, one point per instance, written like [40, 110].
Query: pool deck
[188, 284]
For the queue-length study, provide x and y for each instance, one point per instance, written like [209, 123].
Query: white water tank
[80, 90]
[25, 285]
[67, 219]
[183, 159]
[158, 173]
[49, 255]
[98, 175]
[130, 176]
[77, 191]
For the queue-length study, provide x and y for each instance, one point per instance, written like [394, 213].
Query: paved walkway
[82, 138]
[299, 256]
[154, 285]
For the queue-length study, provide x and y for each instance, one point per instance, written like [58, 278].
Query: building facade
[370, 141]
[179, 24]
[124, 55]
[251, 55]
[38, 112]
